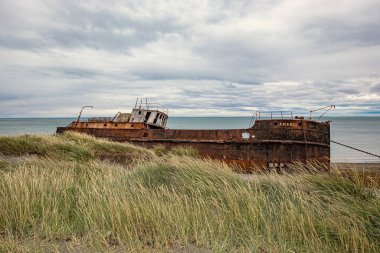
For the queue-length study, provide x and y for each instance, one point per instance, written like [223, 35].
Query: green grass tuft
[184, 151]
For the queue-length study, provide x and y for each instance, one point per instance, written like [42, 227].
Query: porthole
[115, 125]
[105, 124]
[300, 124]
[275, 123]
[132, 125]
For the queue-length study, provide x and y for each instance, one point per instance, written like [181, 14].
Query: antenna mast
[328, 108]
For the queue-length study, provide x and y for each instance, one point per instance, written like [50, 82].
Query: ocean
[360, 132]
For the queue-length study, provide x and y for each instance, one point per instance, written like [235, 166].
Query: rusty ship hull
[269, 143]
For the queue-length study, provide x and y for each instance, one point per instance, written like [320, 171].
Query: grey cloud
[73, 25]
[347, 90]
[75, 72]
[376, 88]
[232, 56]
[344, 33]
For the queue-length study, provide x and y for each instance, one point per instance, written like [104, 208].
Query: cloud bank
[208, 58]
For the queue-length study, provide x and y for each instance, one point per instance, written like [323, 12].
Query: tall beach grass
[77, 193]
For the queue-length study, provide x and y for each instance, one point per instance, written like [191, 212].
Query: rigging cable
[344, 145]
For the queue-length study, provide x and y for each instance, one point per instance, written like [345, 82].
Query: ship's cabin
[148, 115]
[153, 118]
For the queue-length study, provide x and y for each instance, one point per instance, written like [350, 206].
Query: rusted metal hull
[270, 143]
[253, 154]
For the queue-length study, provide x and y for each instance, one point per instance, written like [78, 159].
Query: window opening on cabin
[155, 119]
[147, 116]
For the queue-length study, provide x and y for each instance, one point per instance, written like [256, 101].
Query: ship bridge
[153, 114]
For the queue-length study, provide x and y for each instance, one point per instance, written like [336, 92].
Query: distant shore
[374, 167]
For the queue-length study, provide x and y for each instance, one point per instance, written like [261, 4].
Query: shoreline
[373, 167]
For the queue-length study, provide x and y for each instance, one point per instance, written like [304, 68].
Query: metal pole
[80, 113]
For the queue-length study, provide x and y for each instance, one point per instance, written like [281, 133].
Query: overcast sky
[209, 58]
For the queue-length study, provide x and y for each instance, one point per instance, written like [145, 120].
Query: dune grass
[72, 147]
[76, 193]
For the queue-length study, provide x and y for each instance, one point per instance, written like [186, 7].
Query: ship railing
[263, 115]
[152, 106]
[99, 119]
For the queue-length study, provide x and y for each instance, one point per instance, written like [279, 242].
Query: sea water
[359, 132]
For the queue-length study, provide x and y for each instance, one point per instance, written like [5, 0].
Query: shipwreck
[273, 139]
